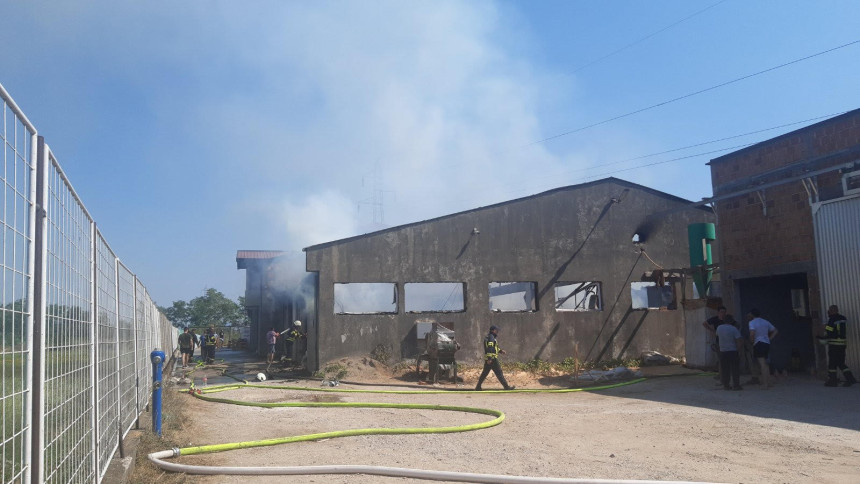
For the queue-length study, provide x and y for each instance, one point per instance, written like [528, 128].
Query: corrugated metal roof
[258, 254]
[242, 256]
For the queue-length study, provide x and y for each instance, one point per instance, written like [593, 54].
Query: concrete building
[788, 213]
[266, 302]
[559, 272]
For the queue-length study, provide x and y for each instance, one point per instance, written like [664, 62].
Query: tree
[210, 309]
[177, 314]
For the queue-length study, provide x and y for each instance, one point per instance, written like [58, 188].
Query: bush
[332, 371]
[382, 353]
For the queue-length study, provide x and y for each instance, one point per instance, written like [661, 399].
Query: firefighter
[835, 338]
[491, 359]
[291, 336]
[210, 339]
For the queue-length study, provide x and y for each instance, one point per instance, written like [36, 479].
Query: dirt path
[679, 428]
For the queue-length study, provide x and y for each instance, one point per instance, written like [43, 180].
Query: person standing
[731, 342]
[209, 340]
[711, 325]
[195, 343]
[714, 322]
[291, 338]
[491, 360]
[271, 340]
[837, 342]
[186, 347]
[761, 334]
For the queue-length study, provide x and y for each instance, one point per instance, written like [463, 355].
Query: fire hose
[157, 458]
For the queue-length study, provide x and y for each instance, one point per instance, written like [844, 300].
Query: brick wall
[753, 238]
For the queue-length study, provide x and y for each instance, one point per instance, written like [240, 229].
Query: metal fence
[78, 326]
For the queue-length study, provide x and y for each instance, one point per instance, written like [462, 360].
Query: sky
[195, 129]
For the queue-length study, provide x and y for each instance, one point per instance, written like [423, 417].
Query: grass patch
[568, 365]
[174, 434]
[332, 371]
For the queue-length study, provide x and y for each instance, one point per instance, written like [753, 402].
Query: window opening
[442, 297]
[578, 296]
[513, 296]
[851, 183]
[365, 298]
[648, 295]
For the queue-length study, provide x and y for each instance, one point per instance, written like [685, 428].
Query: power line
[709, 142]
[619, 170]
[644, 38]
[559, 174]
[736, 147]
[583, 128]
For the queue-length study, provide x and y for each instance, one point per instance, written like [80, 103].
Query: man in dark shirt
[711, 326]
[186, 347]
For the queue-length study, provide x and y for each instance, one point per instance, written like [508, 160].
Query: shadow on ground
[799, 398]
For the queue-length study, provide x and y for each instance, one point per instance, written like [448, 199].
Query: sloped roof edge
[507, 202]
[242, 256]
[835, 119]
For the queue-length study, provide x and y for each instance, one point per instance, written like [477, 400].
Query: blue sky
[194, 129]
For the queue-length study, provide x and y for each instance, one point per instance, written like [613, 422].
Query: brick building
[770, 199]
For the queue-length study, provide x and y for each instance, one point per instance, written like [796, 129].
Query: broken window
[578, 296]
[513, 296]
[648, 295]
[444, 297]
[365, 298]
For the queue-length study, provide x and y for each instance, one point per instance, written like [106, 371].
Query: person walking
[761, 334]
[186, 347]
[837, 342]
[491, 360]
[731, 342]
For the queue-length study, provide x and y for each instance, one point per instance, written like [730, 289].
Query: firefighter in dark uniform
[210, 338]
[835, 338]
[292, 336]
[491, 359]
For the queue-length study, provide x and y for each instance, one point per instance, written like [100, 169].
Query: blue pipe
[157, 358]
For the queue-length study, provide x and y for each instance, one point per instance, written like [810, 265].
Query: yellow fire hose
[157, 457]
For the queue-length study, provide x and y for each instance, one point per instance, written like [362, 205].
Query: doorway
[784, 301]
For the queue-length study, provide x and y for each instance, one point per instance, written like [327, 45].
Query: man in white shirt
[761, 333]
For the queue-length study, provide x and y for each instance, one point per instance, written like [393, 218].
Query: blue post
[157, 358]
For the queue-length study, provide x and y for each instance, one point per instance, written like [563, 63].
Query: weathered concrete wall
[574, 234]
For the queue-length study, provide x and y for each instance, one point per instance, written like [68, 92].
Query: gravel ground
[676, 428]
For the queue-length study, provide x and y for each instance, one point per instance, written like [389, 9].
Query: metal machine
[439, 353]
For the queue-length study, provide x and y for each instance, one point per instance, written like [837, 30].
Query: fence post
[94, 346]
[137, 358]
[37, 429]
[118, 366]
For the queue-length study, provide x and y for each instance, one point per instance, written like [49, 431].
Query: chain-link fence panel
[69, 395]
[128, 357]
[69, 356]
[18, 139]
